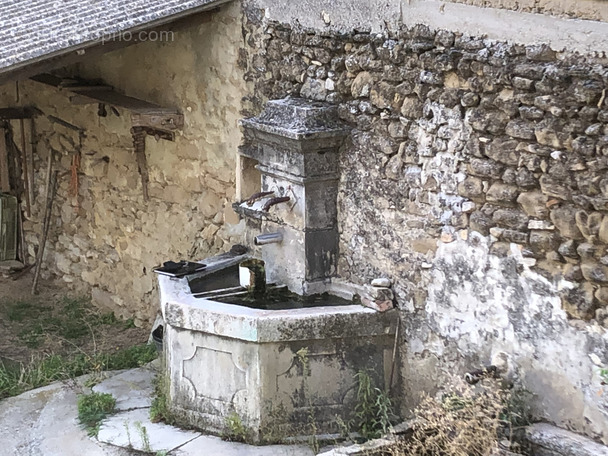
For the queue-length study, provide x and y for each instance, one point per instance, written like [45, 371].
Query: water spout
[274, 201]
[268, 238]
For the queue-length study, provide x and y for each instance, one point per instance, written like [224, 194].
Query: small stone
[472, 188]
[595, 272]
[578, 302]
[382, 282]
[520, 129]
[510, 218]
[601, 294]
[412, 108]
[588, 224]
[382, 95]
[603, 230]
[564, 219]
[540, 225]
[568, 249]
[554, 188]
[534, 204]
[502, 193]
[380, 306]
[313, 89]
[572, 272]
[378, 293]
[543, 241]
[469, 99]
[541, 53]
[447, 237]
[362, 85]
[518, 237]
[485, 168]
[586, 250]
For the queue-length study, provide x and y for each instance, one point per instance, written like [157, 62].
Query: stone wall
[474, 178]
[107, 239]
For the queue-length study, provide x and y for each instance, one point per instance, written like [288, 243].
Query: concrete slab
[126, 429]
[43, 422]
[214, 446]
[131, 389]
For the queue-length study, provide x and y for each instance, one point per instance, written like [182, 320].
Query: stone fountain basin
[280, 371]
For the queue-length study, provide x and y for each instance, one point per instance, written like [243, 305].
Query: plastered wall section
[106, 239]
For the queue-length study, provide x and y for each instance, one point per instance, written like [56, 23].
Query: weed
[143, 434]
[234, 429]
[464, 421]
[271, 432]
[17, 378]
[313, 441]
[93, 408]
[302, 358]
[128, 431]
[20, 310]
[373, 410]
[159, 410]
[161, 453]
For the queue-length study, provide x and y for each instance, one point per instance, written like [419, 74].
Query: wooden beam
[158, 120]
[86, 92]
[19, 112]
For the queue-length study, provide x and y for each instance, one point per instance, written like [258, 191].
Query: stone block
[554, 188]
[378, 293]
[588, 224]
[503, 150]
[472, 188]
[510, 218]
[520, 129]
[603, 230]
[595, 272]
[362, 85]
[502, 193]
[543, 241]
[564, 220]
[578, 302]
[534, 203]
[485, 168]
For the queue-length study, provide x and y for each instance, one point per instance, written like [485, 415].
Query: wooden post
[24, 165]
[5, 185]
[51, 187]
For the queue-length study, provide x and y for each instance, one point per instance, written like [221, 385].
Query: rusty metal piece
[274, 201]
[158, 120]
[256, 196]
[139, 144]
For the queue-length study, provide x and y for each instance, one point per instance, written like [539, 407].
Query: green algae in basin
[284, 299]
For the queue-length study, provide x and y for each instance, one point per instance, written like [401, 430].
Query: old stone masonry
[494, 151]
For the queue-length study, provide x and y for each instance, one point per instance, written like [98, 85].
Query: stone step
[548, 440]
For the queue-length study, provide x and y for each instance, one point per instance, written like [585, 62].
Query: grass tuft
[93, 409]
[15, 378]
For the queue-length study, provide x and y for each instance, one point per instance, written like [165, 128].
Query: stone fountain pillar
[296, 144]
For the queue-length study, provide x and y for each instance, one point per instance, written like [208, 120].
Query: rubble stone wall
[497, 149]
[107, 239]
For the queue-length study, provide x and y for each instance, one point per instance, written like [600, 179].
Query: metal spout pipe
[268, 238]
[274, 201]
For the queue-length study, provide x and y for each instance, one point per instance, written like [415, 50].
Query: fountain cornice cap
[299, 119]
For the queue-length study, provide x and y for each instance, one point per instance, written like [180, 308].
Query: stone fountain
[284, 360]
